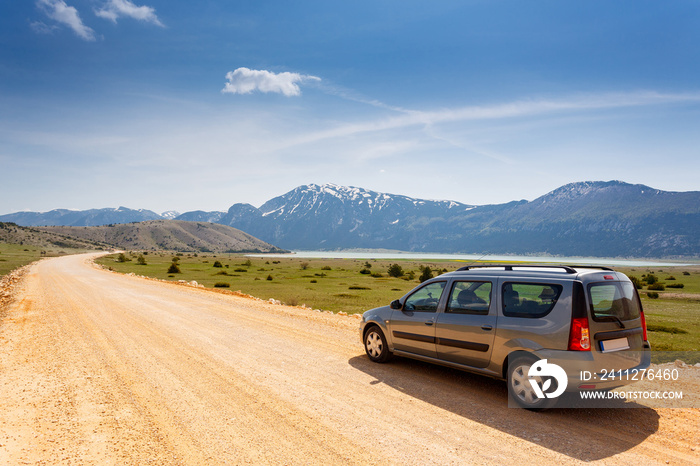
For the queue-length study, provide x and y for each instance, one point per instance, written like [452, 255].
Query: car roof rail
[566, 268]
[510, 267]
[597, 267]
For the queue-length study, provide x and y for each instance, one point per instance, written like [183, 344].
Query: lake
[378, 254]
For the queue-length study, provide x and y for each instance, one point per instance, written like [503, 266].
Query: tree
[426, 274]
[141, 260]
[395, 270]
[174, 268]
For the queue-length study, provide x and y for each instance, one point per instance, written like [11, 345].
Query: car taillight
[580, 336]
[644, 326]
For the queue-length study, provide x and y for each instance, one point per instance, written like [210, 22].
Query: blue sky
[198, 105]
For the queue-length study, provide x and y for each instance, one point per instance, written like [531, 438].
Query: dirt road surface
[101, 368]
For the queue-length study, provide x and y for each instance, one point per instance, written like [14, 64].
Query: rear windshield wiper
[612, 318]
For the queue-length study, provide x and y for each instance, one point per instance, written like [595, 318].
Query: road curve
[102, 368]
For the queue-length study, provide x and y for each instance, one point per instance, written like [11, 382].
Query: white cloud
[244, 81]
[114, 9]
[60, 12]
[42, 28]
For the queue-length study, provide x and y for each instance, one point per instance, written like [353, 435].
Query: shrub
[247, 263]
[176, 259]
[240, 270]
[122, 258]
[359, 288]
[314, 281]
[141, 260]
[218, 264]
[636, 282]
[675, 285]
[222, 285]
[304, 265]
[670, 277]
[686, 273]
[326, 267]
[269, 278]
[395, 270]
[174, 268]
[377, 275]
[652, 294]
[365, 271]
[651, 279]
[656, 287]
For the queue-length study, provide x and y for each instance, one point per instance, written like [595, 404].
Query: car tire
[376, 346]
[520, 390]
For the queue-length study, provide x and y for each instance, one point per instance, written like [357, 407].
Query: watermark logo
[541, 375]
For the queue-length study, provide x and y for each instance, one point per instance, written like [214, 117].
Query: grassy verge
[13, 256]
[338, 285]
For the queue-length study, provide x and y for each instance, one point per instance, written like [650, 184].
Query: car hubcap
[520, 383]
[374, 344]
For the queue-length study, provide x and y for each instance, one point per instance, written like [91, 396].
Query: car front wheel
[376, 346]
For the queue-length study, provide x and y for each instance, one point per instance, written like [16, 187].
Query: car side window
[425, 299]
[470, 298]
[531, 300]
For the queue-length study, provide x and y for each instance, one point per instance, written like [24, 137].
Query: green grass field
[13, 256]
[337, 285]
[329, 284]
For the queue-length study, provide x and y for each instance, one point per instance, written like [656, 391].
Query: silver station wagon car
[508, 321]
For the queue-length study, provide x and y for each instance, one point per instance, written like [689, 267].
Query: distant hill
[15, 234]
[90, 217]
[173, 235]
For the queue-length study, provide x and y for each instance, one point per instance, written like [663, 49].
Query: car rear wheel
[520, 389]
[376, 346]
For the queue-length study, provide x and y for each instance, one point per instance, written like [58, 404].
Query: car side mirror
[396, 304]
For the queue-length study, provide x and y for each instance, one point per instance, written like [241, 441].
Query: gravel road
[102, 368]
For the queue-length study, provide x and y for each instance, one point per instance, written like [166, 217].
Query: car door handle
[487, 327]
[429, 322]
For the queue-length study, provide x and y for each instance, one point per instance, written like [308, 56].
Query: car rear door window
[470, 298]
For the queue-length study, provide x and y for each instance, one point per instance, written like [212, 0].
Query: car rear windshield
[613, 301]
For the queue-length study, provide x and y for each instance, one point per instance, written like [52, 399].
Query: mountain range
[605, 219]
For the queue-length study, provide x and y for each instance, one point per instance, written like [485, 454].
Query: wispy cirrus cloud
[64, 14]
[114, 9]
[244, 81]
[530, 108]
